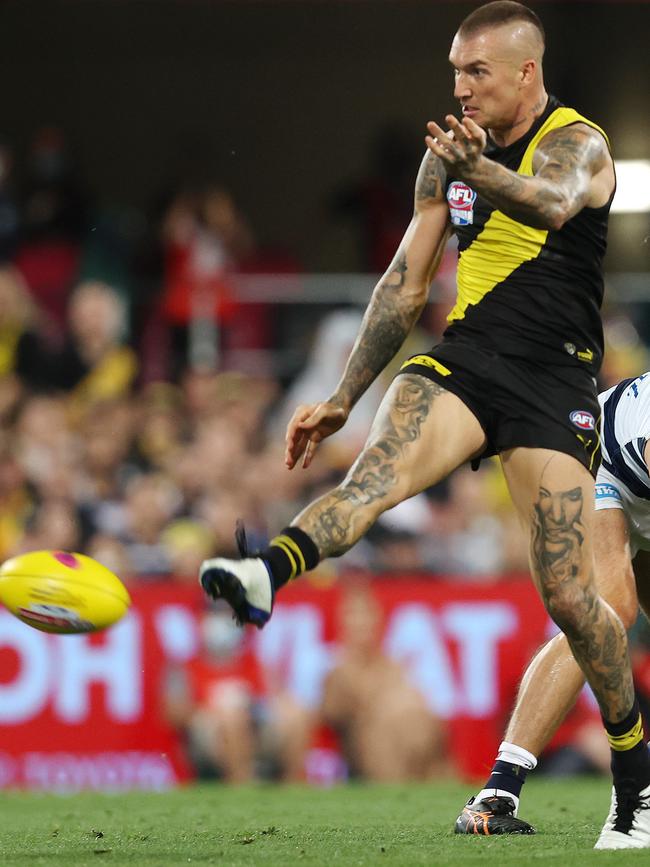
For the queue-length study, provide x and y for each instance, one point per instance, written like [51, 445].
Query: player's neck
[525, 118]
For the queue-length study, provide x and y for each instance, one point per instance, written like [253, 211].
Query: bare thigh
[420, 434]
[554, 496]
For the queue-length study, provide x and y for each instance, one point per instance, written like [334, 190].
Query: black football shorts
[519, 402]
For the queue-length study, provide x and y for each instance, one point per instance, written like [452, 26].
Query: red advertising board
[82, 712]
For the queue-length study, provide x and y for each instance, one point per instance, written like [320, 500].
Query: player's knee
[567, 609]
[374, 484]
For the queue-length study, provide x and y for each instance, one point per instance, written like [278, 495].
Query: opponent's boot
[246, 585]
[628, 823]
[493, 815]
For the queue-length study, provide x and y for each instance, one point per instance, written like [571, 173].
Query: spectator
[372, 730]
[215, 700]
[20, 359]
[150, 504]
[95, 364]
[54, 212]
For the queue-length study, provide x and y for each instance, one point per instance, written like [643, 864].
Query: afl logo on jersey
[461, 200]
[583, 419]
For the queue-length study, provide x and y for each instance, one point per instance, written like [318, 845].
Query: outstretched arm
[394, 308]
[566, 162]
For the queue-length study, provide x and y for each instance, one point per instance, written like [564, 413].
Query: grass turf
[268, 825]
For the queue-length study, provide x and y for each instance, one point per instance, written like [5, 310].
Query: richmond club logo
[583, 419]
[461, 200]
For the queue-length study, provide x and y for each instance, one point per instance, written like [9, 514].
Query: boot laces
[628, 802]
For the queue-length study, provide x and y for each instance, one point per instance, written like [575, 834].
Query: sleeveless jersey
[526, 292]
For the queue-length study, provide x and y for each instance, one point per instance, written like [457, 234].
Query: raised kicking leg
[421, 433]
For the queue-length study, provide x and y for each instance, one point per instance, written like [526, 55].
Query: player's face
[487, 78]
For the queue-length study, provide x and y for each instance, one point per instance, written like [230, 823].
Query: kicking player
[526, 184]
[553, 680]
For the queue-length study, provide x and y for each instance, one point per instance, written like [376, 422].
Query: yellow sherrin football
[56, 591]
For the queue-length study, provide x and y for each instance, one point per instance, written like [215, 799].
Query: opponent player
[553, 680]
[526, 184]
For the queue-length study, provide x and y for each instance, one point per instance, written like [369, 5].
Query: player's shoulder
[431, 181]
[577, 140]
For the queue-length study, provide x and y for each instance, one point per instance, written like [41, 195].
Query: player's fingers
[303, 428]
[438, 132]
[474, 129]
[301, 413]
[312, 421]
[443, 151]
[295, 438]
[444, 141]
[295, 449]
[434, 147]
[310, 448]
[461, 133]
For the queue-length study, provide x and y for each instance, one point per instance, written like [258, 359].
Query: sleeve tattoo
[565, 162]
[386, 324]
[430, 183]
[393, 310]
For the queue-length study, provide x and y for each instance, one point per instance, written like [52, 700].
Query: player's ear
[527, 72]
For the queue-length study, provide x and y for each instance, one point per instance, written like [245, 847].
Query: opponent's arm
[564, 165]
[394, 307]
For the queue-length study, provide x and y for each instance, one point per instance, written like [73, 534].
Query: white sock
[517, 756]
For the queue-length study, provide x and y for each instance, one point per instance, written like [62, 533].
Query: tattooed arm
[572, 169]
[399, 297]
[565, 164]
[394, 308]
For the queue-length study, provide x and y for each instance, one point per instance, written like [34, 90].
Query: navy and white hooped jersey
[625, 428]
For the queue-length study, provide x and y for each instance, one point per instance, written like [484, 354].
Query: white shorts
[611, 493]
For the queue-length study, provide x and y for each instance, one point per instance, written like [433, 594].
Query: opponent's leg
[421, 433]
[553, 679]
[554, 494]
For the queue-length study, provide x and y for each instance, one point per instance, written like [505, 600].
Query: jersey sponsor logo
[582, 419]
[607, 491]
[461, 200]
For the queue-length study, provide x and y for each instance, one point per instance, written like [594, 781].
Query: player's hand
[310, 424]
[461, 148]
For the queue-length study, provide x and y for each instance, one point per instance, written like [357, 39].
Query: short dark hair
[499, 12]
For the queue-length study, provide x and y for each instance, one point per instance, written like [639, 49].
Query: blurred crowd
[142, 412]
[141, 407]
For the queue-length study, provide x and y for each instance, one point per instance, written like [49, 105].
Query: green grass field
[264, 825]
